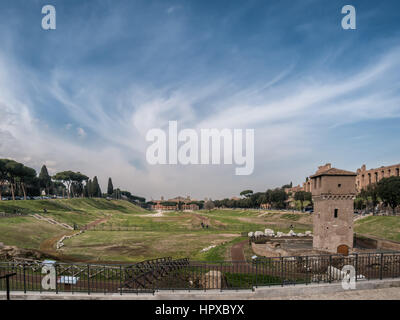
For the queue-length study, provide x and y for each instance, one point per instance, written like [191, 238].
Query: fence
[12, 215]
[182, 274]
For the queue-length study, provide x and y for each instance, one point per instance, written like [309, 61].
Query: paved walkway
[367, 294]
[372, 294]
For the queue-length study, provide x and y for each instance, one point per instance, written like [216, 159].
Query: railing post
[283, 280]
[256, 272]
[220, 272]
[55, 269]
[330, 268]
[7, 277]
[88, 278]
[8, 287]
[120, 279]
[381, 268]
[356, 265]
[307, 280]
[24, 278]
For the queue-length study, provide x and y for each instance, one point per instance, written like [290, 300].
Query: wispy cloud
[88, 105]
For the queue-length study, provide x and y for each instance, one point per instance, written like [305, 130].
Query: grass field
[148, 235]
[385, 227]
[79, 211]
[176, 234]
[26, 232]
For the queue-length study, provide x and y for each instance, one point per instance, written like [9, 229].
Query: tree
[302, 196]
[73, 180]
[65, 177]
[246, 193]
[26, 176]
[78, 179]
[45, 179]
[14, 171]
[96, 191]
[89, 189]
[287, 186]
[278, 198]
[371, 192]
[110, 188]
[209, 205]
[59, 188]
[389, 191]
[3, 175]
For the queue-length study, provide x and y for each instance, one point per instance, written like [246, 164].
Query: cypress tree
[110, 188]
[90, 188]
[96, 188]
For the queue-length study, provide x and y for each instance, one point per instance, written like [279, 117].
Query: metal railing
[182, 274]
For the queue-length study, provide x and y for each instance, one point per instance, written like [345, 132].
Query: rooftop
[334, 172]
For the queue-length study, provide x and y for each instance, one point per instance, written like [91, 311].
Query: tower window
[339, 185]
[336, 213]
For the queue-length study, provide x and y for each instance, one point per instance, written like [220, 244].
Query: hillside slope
[29, 233]
[385, 227]
[70, 211]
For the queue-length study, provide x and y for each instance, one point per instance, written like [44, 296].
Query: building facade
[333, 193]
[293, 190]
[367, 177]
[174, 204]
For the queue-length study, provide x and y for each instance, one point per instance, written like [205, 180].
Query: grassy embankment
[385, 227]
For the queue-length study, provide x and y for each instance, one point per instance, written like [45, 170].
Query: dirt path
[95, 223]
[237, 253]
[52, 221]
[48, 245]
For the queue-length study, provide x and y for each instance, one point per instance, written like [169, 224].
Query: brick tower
[333, 193]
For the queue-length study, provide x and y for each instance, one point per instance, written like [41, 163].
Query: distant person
[44, 210]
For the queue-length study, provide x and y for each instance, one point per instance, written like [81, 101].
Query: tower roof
[334, 172]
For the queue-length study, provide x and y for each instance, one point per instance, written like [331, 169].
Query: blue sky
[83, 96]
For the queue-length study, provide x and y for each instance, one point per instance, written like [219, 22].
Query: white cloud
[287, 117]
[81, 132]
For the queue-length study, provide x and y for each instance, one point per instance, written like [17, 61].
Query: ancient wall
[366, 177]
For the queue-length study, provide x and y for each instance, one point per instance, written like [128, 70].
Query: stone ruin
[271, 234]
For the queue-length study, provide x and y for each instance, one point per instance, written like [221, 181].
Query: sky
[82, 97]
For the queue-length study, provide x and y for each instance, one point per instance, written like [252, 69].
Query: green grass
[292, 217]
[220, 252]
[385, 227]
[70, 211]
[175, 234]
[26, 232]
[132, 246]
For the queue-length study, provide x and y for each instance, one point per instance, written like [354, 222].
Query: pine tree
[45, 179]
[110, 188]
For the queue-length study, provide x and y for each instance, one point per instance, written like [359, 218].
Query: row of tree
[386, 192]
[16, 176]
[18, 179]
[277, 198]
